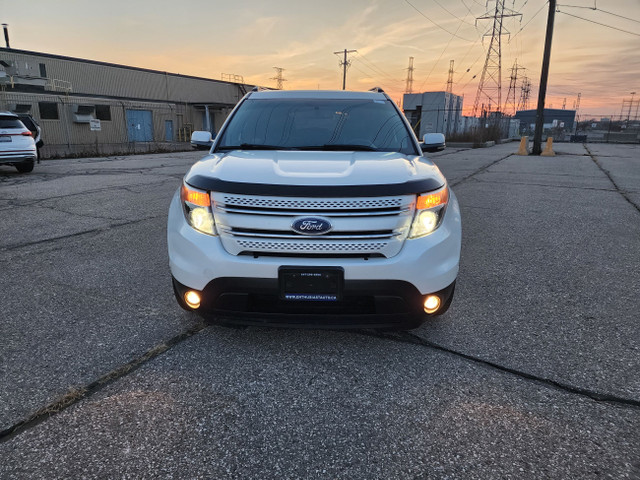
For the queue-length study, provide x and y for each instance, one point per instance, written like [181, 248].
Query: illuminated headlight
[430, 208]
[197, 209]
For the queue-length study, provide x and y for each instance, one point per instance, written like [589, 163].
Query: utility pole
[544, 76]
[409, 87]
[344, 63]
[278, 78]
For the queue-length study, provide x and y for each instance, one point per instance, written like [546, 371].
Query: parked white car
[315, 208]
[17, 146]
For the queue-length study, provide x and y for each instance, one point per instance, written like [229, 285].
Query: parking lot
[534, 372]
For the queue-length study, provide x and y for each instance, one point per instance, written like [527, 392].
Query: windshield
[317, 124]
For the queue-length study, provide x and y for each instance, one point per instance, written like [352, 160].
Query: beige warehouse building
[87, 107]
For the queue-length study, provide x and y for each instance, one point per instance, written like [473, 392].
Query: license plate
[311, 284]
[5, 138]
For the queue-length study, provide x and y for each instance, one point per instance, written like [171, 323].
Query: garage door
[139, 125]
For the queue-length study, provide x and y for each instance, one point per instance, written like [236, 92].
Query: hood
[314, 169]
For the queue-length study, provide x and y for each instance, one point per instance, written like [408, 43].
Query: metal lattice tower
[627, 105]
[278, 78]
[490, 87]
[510, 104]
[450, 78]
[525, 92]
[409, 87]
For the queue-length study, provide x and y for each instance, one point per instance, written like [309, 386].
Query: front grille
[370, 226]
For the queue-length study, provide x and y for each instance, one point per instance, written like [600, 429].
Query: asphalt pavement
[534, 372]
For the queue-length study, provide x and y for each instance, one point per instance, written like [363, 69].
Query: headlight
[197, 209]
[430, 209]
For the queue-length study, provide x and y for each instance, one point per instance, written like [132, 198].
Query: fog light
[432, 304]
[192, 298]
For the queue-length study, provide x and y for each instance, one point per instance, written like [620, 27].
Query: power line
[453, 14]
[602, 24]
[444, 50]
[600, 10]
[455, 34]
[523, 27]
[375, 68]
[368, 74]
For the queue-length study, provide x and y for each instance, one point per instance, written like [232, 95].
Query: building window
[48, 110]
[43, 70]
[103, 113]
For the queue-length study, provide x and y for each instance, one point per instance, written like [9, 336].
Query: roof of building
[107, 64]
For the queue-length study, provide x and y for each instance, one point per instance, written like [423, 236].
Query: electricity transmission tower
[278, 78]
[510, 105]
[525, 92]
[450, 78]
[490, 87]
[344, 64]
[628, 105]
[409, 87]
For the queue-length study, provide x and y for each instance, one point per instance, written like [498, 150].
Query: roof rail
[377, 90]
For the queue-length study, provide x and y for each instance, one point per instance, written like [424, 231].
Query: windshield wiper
[254, 146]
[341, 146]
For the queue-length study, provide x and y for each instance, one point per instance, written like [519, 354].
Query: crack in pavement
[78, 393]
[77, 234]
[75, 394]
[412, 338]
[510, 182]
[480, 170]
[28, 203]
[594, 158]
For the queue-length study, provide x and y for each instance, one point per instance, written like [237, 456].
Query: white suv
[315, 208]
[17, 146]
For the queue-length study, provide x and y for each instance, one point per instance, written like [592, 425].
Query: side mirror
[433, 142]
[201, 140]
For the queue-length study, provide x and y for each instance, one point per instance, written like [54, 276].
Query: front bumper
[365, 304]
[233, 283]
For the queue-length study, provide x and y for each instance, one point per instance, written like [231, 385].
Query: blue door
[168, 130]
[139, 125]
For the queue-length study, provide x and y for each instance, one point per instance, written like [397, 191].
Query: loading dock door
[139, 125]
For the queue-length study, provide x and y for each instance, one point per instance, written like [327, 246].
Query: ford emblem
[311, 225]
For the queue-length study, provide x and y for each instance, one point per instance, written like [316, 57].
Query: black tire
[25, 167]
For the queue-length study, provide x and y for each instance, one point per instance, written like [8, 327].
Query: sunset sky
[249, 38]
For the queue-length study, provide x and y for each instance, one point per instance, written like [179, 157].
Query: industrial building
[557, 123]
[433, 112]
[87, 107]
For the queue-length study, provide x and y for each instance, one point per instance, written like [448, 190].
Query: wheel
[25, 167]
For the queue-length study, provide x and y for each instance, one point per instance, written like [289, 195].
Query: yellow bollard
[523, 150]
[548, 149]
